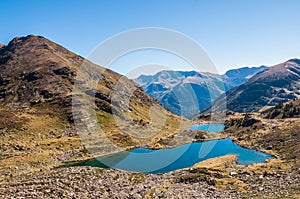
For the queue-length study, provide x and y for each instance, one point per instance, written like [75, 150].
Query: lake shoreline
[276, 178]
[119, 159]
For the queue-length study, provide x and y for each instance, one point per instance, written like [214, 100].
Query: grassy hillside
[46, 89]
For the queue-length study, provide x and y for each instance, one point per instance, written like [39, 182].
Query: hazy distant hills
[238, 76]
[188, 92]
[272, 86]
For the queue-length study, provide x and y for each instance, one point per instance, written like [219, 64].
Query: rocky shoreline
[88, 182]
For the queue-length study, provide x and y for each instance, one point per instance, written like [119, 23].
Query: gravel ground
[88, 182]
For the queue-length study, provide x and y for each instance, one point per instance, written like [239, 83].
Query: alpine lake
[145, 160]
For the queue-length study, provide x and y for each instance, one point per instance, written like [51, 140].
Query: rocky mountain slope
[36, 72]
[38, 108]
[188, 92]
[272, 86]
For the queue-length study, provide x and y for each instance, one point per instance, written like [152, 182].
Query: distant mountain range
[272, 86]
[188, 92]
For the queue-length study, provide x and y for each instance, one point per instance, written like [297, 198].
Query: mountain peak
[34, 69]
[295, 60]
[36, 72]
[244, 71]
[29, 42]
[26, 39]
[274, 85]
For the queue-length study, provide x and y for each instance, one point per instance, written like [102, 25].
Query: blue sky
[234, 33]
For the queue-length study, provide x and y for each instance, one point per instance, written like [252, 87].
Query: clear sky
[234, 33]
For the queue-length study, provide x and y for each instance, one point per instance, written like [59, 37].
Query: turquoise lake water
[165, 160]
[208, 127]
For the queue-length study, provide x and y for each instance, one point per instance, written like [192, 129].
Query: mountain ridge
[38, 75]
[190, 89]
[277, 84]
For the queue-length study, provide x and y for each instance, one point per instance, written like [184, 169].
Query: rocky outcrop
[291, 109]
[246, 121]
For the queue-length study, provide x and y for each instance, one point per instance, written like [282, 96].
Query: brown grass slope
[37, 78]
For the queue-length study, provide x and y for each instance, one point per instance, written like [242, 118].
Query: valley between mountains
[38, 134]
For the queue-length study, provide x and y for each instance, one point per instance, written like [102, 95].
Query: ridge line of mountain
[275, 85]
[188, 92]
